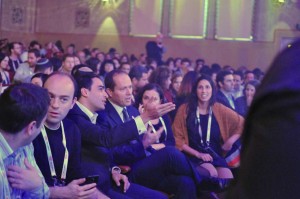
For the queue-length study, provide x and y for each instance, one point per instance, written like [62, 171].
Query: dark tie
[125, 115]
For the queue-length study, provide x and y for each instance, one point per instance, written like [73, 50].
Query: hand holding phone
[91, 179]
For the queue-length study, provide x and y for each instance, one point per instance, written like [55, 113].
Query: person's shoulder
[70, 126]
[132, 109]
[240, 99]
[220, 107]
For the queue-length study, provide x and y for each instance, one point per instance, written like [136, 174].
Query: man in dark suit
[167, 169]
[225, 84]
[96, 139]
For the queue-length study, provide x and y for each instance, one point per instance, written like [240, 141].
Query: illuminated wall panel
[145, 17]
[234, 20]
[188, 18]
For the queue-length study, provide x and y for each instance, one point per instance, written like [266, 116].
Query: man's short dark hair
[109, 78]
[66, 75]
[239, 73]
[21, 104]
[186, 60]
[221, 75]
[137, 72]
[85, 81]
[67, 56]
[42, 65]
[36, 52]
[11, 45]
[33, 43]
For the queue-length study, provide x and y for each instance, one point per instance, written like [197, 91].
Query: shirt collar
[228, 95]
[90, 114]
[4, 147]
[118, 108]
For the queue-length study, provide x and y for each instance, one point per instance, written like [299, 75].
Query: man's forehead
[97, 81]
[60, 81]
[229, 76]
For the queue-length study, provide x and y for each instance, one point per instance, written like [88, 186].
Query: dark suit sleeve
[75, 170]
[102, 135]
[129, 153]
[170, 136]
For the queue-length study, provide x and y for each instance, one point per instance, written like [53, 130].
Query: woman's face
[108, 67]
[117, 63]
[4, 63]
[176, 83]
[37, 81]
[76, 61]
[204, 91]
[151, 94]
[250, 90]
[168, 83]
[101, 57]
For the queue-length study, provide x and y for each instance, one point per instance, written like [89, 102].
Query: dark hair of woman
[149, 87]
[160, 77]
[187, 83]
[193, 98]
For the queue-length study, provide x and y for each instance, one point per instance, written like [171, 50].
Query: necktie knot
[125, 115]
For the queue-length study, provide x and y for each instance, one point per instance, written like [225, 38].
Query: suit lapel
[112, 113]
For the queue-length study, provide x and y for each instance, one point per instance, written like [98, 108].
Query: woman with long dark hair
[205, 129]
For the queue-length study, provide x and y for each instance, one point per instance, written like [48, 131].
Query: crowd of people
[141, 126]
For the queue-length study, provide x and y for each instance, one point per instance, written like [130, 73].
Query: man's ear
[220, 84]
[109, 92]
[84, 92]
[29, 129]
[73, 102]
[134, 81]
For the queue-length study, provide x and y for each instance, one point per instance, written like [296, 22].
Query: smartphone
[91, 179]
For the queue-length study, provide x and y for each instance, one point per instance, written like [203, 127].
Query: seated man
[167, 169]
[23, 108]
[91, 98]
[57, 148]
[225, 86]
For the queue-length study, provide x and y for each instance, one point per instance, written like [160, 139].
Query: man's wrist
[145, 118]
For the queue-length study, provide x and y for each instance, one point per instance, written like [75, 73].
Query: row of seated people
[114, 132]
[230, 86]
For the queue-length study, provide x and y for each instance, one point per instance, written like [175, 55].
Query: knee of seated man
[173, 151]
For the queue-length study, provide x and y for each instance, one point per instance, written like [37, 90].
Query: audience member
[39, 79]
[249, 75]
[23, 108]
[167, 169]
[4, 68]
[139, 78]
[152, 93]
[126, 67]
[162, 77]
[243, 103]
[204, 129]
[15, 51]
[185, 66]
[92, 98]
[226, 86]
[26, 69]
[43, 65]
[106, 67]
[82, 56]
[238, 88]
[58, 147]
[68, 64]
[185, 88]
